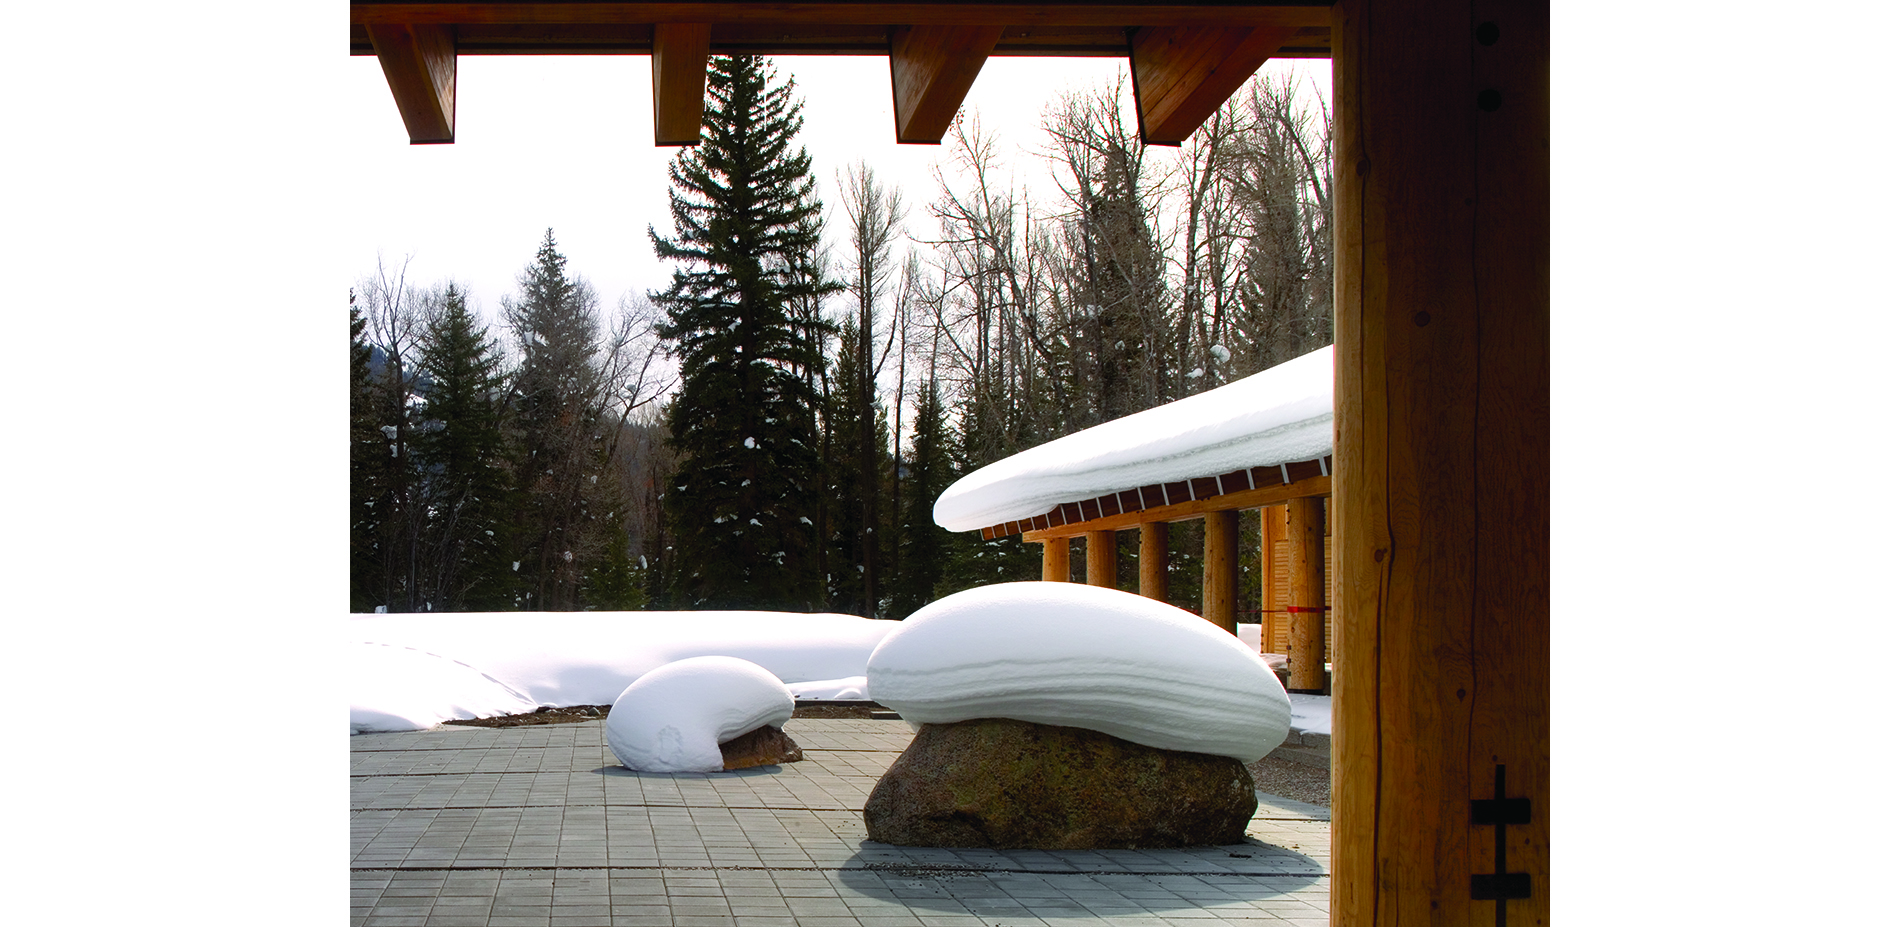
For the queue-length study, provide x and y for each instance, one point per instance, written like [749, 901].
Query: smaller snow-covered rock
[674, 718]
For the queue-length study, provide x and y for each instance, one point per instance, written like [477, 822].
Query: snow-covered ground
[1277, 416]
[412, 672]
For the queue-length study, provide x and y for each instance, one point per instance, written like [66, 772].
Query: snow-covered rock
[517, 661]
[1082, 656]
[1276, 416]
[674, 718]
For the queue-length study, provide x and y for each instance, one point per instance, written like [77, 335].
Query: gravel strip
[1297, 781]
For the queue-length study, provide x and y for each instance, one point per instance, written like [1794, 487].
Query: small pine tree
[921, 542]
[366, 446]
[461, 452]
[746, 227]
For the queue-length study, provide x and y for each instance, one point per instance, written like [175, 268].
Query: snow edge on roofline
[1279, 415]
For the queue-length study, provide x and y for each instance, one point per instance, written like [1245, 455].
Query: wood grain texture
[1182, 511]
[1020, 13]
[1181, 74]
[1442, 302]
[764, 38]
[679, 81]
[1055, 560]
[1101, 558]
[418, 60]
[1154, 560]
[1220, 568]
[1272, 563]
[932, 68]
[1306, 581]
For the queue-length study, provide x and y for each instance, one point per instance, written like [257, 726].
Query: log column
[1272, 619]
[1101, 558]
[1154, 560]
[1220, 569]
[1306, 605]
[1442, 301]
[1055, 560]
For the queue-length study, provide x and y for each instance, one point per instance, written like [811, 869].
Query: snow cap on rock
[674, 718]
[1082, 656]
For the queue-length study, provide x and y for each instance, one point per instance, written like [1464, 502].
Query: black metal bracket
[1500, 812]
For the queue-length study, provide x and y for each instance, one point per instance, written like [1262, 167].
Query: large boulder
[1003, 783]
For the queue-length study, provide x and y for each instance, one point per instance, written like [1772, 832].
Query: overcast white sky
[567, 143]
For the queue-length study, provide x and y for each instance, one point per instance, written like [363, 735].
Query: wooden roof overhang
[1178, 501]
[1186, 58]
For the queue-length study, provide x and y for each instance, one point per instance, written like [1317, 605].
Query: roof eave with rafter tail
[1271, 428]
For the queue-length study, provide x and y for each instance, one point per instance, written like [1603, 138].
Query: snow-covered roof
[1278, 416]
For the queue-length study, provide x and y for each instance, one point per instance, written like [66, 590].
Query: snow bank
[674, 718]
[394, 688]
[516, 661]
[1276, 416]
[1082, 656]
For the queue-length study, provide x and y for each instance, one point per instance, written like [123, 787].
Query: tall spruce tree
[559, 403]
[461, 452]
[746, 223]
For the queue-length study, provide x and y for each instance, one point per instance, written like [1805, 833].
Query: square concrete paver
[542, 827]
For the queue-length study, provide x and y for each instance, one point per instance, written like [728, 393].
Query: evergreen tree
[366, 450]
[921, 542]
[461, 453]
[559, 402]
[746, 226]
[855, 546]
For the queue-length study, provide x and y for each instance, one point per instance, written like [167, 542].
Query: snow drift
[1082, 656]
[413, 672]
[1276, 416]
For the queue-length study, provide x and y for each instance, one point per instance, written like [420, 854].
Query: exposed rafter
[932, 68]
[419, 62]
[1182, 74]
[1187, 57]
[679, 81]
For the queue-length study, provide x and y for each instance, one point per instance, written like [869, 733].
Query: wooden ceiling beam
[1182, 74]
[679, 81]
[932, 68]
[419, 62]
[1001, 12]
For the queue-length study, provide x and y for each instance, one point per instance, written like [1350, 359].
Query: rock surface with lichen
[1016, 784]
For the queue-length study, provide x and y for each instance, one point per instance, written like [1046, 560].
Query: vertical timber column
[1220, 569]
[1441, 493]
[1272, 528]
[1101, 554]
[1306, 597]
[1154, 560]
[1055, 560]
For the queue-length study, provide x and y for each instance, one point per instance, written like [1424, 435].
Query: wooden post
[1442, 483]
[1154, 560]
[1055, 560]
[1101, 558]
[1220, 569]
[1272, 529]
[1306, 597]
